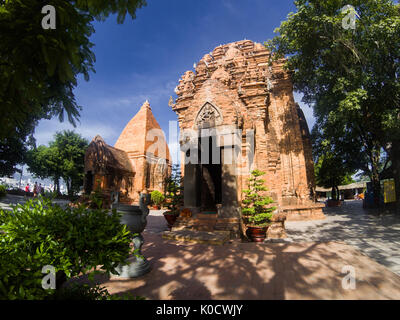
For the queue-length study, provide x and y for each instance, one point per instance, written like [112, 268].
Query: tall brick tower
[235, 88]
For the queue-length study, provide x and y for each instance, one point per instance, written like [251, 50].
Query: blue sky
[144, 58]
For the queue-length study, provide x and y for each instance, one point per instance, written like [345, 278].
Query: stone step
[206, 216]
[197, 225]
[204, 237]
[196, 221]
[209, 228]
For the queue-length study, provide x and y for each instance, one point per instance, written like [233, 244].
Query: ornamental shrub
[174, 191]
[255, 209]
[157, 197]
[74, 241]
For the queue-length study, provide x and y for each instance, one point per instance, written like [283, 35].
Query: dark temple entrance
[210, 184]
[88, 182]
[210, 174]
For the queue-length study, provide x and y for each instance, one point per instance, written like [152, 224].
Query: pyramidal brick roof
[133, 138]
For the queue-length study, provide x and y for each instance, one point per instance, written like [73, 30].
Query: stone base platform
[304, 212]
[204, 237]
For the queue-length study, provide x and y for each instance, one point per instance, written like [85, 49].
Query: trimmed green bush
[255, 205]
[157, 197]
[72, 240]
[3, 191]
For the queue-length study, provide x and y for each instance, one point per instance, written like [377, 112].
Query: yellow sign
[389, 191]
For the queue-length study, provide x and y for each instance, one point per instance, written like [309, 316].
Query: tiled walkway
[249, 271]
[307, 268]
[377, 236]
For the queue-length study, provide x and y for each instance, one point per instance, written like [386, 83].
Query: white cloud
[46, 129]
[132, 94]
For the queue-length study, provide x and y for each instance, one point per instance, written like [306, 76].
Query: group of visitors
[37, 189]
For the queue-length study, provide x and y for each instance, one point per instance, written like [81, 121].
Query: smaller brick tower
[140, 154]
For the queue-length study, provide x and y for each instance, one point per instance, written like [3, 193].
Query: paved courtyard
[374, 234]
[249, 271]
[308, 267]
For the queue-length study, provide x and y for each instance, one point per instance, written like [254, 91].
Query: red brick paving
[249, 271]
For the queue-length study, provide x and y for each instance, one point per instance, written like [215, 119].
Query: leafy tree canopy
[350, 76]
[63, 158]
[39, 67]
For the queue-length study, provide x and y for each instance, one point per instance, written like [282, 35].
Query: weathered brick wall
[250, 94]
[139, 146]
[142, 169]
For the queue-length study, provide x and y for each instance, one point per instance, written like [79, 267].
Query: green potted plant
[256, 209]
[173, 196]
[157, 198]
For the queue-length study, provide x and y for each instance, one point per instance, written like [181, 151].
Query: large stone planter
[171, 218]
[256, 234]
[135, 217]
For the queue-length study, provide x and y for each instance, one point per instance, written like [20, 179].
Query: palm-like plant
[174, 191]
[255, 207]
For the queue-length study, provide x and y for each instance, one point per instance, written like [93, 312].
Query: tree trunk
[376, 189]
[69, 187]
[335, 193]
[376, 183]
[395, 157]
[57, 185]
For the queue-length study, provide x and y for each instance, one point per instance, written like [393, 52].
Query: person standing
[27, 189]
[39, 189]
[35, 190]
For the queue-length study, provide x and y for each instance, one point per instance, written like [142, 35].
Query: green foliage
[63, 158]
[89, 292]
[157, 197]
[3, 191]
[350, 77]
[39, 68]
[330, 172]
[73, 240]
[256, 209]
[13, 150]
[174, 190]
[71, 148]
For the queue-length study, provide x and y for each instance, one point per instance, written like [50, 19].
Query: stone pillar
[190, 191]
[230, 206]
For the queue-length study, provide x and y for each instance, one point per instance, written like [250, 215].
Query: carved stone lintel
[208, 116]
